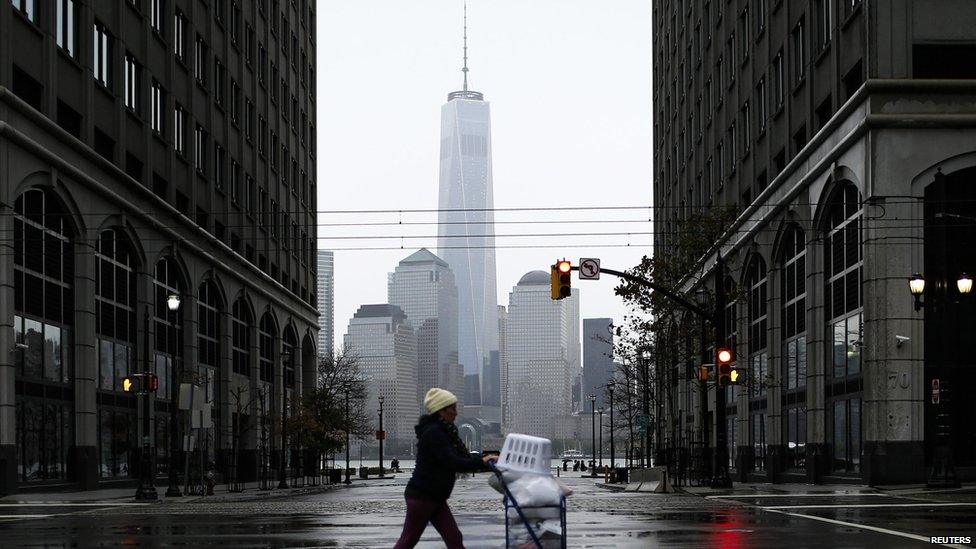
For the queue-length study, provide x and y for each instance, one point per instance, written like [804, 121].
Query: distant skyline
[569, 84]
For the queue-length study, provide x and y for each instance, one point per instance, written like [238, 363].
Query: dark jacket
[438, 462]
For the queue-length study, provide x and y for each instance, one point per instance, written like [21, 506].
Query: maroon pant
[419, 513]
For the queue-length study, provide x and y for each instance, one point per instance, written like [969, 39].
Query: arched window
[115, 302]
[241, 342]
[289, 346]
[793, 294]
[756, 289]
[168, 339]
[842, 303]
[43, 316]
[266, 342]
[208, 336]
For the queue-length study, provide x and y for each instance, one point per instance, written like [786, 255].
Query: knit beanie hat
[438, 399]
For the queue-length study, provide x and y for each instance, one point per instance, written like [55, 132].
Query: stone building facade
[150, 149]
[843, 132]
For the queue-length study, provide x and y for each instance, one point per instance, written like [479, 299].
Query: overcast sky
[570, 93]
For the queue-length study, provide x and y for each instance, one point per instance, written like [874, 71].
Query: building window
[158, 104]
[220, 84]
[241, 337]
[266, 344]
[248, 119]
[761, 109]
[798, 44]
[179, 130]
[249, 194]
[208, 338]
[115, 301]
[200, 61]
[843, 306]
[823, 15]
[102, 50]
[200, 149]
[132, 71]
[157, 12]
[26, 7]
[220, 167]
[236, 180]
[760, 16]
[179, 36]
[793, 326]
[168, 340]
[235, 102]
[67, 21]
[249, 44]
[779, 79]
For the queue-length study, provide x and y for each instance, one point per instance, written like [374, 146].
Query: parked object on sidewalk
[441, 454]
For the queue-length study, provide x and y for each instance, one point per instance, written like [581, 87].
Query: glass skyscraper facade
[422, 286]
[466, 224]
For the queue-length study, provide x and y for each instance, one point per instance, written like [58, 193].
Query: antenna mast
[465, 68]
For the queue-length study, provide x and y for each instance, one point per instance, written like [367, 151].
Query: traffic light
[140, 383]
[703, 372]
[562, 279]
[723, 361]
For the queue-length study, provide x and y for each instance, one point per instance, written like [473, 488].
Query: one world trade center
[466, 231]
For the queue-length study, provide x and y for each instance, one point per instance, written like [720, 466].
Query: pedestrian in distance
[441, 454]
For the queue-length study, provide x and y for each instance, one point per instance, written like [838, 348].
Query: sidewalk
[127, 495]
[753, 488]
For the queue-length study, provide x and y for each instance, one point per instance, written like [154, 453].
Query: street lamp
[610, 386]
[381, 435]
[600, 411]
[916, 284]
[964, 284]
[173, 304]
[593, 435]
[282, 457]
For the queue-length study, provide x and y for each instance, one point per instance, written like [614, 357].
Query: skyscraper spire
[464, 69]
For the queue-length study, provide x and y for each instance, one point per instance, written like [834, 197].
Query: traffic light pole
[147, 489]
[721, 478]
[720, 469]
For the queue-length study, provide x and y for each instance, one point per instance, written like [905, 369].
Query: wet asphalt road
[369, 514]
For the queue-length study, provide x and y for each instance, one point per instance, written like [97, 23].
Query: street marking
[862, 526]
[67, 504]
[24, 516]
[866, 505]
[823, 495]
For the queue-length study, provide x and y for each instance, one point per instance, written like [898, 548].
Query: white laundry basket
[527, 454]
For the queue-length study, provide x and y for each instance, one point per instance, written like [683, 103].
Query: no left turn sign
[589, 268]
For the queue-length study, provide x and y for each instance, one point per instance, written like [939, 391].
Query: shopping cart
[530, 524]
[529, 455]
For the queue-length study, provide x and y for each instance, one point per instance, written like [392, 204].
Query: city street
[369, 514]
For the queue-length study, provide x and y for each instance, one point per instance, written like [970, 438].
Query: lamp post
[348, 480]
[381, 435]
[146, 490]
[173, 304]
[600, 411]
[593, 434]
[282, 457]
[610, 386]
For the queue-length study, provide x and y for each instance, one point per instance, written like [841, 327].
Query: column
[818, 453]
[8, 370]
[83, 456]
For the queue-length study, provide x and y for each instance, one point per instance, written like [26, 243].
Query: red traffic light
[564, 266]
[724, 356]
[152, 384]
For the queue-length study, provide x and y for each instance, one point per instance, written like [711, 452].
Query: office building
[151, 149]
[422, 286]
[841, 133]
[326, 301]
[466, 226]
[385, 347]
[597, 359]
[539, 360]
